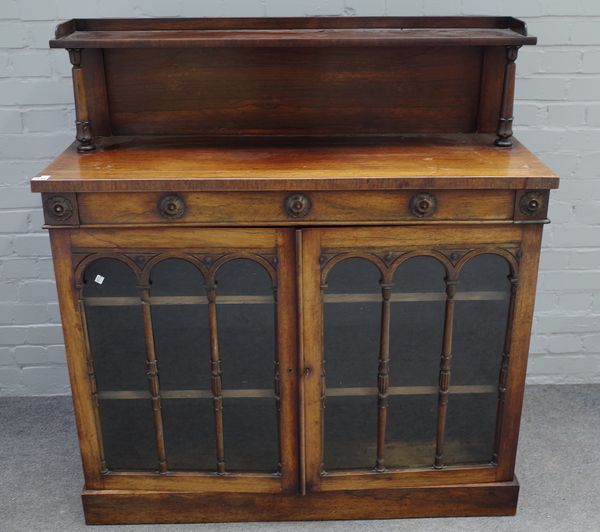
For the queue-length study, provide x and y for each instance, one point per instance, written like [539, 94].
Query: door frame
[69, 245]
[314, 247]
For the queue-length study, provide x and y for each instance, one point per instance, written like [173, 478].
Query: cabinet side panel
[60, 240]
[293, 91]
[519, 350]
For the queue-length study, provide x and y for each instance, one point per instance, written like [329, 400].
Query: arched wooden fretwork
[142, 294]
[453, 262]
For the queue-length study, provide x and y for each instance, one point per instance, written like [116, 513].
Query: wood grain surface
[290, 31]
[128, 164]
[112, 507]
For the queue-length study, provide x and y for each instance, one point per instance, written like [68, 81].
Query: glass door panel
[251, 440]
[115, 328]
[128, 434]
[480, 322]
[181, 338]
[351, 344]
[189, 433]
[184, 352]
[183, 355]
[180, 325]
[246, 324]
[413, 353]
[411, 430]
[470, 428]
[246, 330]
[350, 432]
[417, 324]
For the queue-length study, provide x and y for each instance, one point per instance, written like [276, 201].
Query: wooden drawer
[288, 208]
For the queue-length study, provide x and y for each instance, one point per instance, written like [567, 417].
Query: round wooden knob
[171, 207]
[297, 205]
[531, 203]
[59, 208]
[423, 204]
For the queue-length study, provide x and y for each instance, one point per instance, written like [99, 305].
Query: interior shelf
[186, 394]
[406, 297]
[407, 390]
[109, 301]
[267, 393]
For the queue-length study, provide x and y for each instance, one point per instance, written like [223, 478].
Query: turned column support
[505, 122]
[82, 122]
[215, 375]
[445, 371]
[383, 374]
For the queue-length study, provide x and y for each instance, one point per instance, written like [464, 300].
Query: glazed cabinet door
[188, 342]
[414, 345]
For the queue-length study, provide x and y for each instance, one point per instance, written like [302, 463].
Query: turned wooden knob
[423, 204]
[297, 205]
[59, 208]
[531, 203]
[171, 207]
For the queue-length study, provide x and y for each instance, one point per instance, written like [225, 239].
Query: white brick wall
[557, 115]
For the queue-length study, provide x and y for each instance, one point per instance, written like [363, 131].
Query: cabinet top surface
[295, 31]
[457, 161]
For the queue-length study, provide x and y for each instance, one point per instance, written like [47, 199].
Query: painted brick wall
[557, 115]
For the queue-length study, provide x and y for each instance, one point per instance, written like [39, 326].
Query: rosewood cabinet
[296, 262]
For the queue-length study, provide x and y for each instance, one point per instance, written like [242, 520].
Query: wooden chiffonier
[296, 262]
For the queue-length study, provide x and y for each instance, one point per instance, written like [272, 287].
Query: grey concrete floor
[558, 467]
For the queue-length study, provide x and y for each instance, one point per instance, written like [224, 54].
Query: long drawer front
[294, 208]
